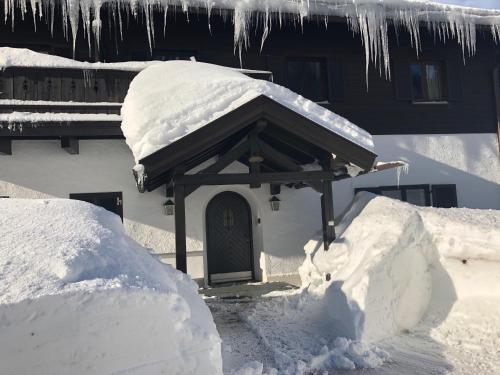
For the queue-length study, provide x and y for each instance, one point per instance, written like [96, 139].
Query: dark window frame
[441, 67]
[403, 188]
[88, 197]
[429, 190]
[325, 89]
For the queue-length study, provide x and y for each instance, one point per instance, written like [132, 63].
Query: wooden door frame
[250, 230]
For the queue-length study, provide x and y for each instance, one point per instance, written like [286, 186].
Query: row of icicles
[368, 18]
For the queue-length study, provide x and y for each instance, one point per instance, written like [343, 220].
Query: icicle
[369, 18]
[402, 168]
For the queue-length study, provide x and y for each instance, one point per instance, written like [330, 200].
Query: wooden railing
[65, 85]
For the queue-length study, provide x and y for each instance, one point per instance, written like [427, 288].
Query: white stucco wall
[471, 161]
[42, 169]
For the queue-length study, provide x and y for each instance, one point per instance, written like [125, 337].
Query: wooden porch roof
[286, 142]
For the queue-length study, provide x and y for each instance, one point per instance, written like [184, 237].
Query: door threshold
[218, 278]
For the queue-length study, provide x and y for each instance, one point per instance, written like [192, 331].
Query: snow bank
[386, 264]
[367, 17]
[79, 296]
[167, 101]
[392, 265]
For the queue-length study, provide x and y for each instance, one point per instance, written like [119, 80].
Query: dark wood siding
[385, 108]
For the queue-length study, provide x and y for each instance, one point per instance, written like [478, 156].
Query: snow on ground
[80, 297]
[167, 101]
[403, 290]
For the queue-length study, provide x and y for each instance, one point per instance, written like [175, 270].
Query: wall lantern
[169, 207]
[275, 203]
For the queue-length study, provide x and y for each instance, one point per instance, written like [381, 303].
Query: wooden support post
[5, 146]
[496, 87]
[327, 214]
[71, 145]
[180, 228]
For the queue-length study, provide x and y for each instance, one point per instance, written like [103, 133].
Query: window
[112, 202]
[308, 77]
[420, 195]
[427, 82]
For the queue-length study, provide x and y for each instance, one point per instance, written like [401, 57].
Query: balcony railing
[65, 85]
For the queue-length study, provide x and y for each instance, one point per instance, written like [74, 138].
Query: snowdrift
[167, 101]
[392, 265]
[80, 297]
[387, 264]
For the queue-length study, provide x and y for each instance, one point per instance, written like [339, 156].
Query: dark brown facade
[385, 107]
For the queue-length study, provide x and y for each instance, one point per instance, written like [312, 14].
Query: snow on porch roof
[168, 101]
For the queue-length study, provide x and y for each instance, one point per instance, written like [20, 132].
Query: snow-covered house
[422, 78]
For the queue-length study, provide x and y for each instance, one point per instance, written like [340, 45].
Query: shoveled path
[229, 304]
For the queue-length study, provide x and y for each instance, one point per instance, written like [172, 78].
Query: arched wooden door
[229, 238]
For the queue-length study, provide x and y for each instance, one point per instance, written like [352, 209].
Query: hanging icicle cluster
[369, 18]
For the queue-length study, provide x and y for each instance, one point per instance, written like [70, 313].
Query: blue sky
[474, 3]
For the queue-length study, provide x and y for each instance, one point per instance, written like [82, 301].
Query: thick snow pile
[22, 57]
[368, 17]
[383, 269]
[392, 265]
[167, 101]
[80, 297]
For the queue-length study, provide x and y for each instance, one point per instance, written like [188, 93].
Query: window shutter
[402, 80]
[444, 196]
[335, 81]
[453, 73]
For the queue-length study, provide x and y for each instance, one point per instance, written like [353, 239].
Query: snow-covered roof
[168, 101]
[367, 17]
[26, 58]
[21, 117]
[22, 57]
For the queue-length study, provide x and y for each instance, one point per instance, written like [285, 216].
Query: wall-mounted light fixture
[275, 203]
[169, 207]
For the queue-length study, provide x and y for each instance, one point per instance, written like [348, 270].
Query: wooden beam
[275, 189]
[70, 145]
[277, 157]
[232, 155]
[285, 162]
[5, 146]
[255, 157]
[180, 228]
[327, 215]
[246, 179]
[311, 151]
[496, 90]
